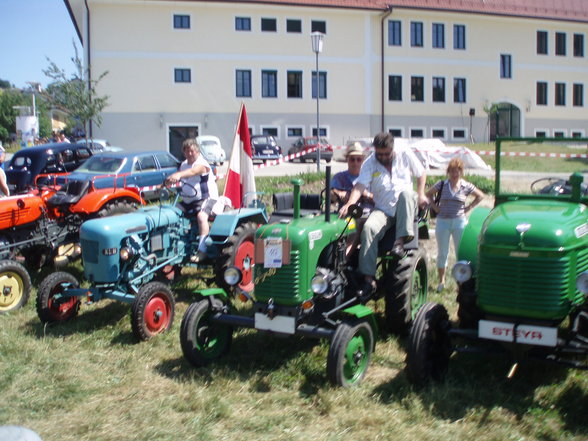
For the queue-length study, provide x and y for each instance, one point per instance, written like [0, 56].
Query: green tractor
[303, 285]
[522, 269]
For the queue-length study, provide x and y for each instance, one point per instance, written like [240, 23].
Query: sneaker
[440, 287]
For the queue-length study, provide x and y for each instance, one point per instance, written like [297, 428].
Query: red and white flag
[240, 178]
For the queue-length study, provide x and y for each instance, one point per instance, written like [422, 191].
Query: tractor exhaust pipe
[328, 194]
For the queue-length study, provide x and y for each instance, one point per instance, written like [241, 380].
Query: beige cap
[354, 149]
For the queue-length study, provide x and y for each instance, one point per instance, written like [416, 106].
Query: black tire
[239, 252]
[36, 257]
[15, 286]
[203, 341]
[49, 309]
[152, 311]
[116, 207]
[405, 290]
[350, 351]
[429, 345]
[468, 313]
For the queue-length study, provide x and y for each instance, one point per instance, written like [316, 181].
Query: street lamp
[317, 47]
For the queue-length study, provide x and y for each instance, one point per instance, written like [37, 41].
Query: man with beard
[388, 173]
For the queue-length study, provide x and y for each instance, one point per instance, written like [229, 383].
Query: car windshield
[101, 164]
[19, 162]
[261, 140]
[207, 144]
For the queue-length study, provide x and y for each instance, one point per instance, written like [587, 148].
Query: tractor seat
[283, 204]
[69, 194]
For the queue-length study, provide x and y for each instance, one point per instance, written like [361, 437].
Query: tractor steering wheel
[550, 185]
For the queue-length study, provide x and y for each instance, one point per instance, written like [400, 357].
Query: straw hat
[354, 149]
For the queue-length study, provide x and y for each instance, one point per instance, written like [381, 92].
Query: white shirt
[385, 186]
[199, 186]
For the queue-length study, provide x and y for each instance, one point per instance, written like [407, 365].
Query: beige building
[459, 70]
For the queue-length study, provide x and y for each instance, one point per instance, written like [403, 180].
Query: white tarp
[435, 154]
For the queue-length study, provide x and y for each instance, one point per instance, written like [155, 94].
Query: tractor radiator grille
[89, 250]
[538, 286]
[279, 283]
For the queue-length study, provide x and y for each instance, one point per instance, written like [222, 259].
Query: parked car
[211, 149]
[99, 145]
[26, 164]
[265, 148]
[366, 143]
[302, 144]
[143, 170]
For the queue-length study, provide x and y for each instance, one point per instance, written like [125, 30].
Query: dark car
[302, 144]
[265, 148]
[143, 170]
[26, 164]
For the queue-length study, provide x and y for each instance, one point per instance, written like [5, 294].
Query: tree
[5, 84]
[77, 94]
[9, 99]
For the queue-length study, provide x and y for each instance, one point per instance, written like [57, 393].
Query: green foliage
[483, 183]
[5, 84]
[76, 95]
[8, 99]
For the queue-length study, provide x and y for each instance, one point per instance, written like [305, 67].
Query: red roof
[569, 10]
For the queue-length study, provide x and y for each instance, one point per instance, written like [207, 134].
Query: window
[560, 43]
[559, 134]
[459, 37]
[578, 95]
[438, 35]
[541, 93]
[323, 132]
[147, 163]
[578, 45]
[577, 134]
[505, 66]
[242, 23]
[459, 90]
[294, 132]
[395, 132]
[541, 134]
[272, 131]
[416, 34]
[417, 88]
[243, 83]
[542, 42]
[394, 33]
[269, 25]
[182, 75]
[560, 94]
[181, 21]
[438, 133]
[318, 26]
[269, 83]
[438, 89]
[322, 85]
[294, 84]
[395, 88]
[459, 134]
[417, 133]
[294, 26]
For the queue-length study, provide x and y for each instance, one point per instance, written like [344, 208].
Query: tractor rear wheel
[202, 340]
[239, 252]
[152, 311]
[405, 290]
[116, 207]
[429, 345]
[15, 286]
[51, 306]
[349, 352]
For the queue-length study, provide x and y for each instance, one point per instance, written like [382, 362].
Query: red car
[302, 144]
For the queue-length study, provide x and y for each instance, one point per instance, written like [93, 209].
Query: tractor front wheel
[152, 311]
[52, 306]
[202, 340]
[117, 207]
[429, 345]
[239, 252]
[349, 352]
[406, 290]
[15, 286]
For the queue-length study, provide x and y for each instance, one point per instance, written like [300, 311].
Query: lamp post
[317, 47]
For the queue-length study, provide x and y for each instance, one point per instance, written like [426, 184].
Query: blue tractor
[131, 257]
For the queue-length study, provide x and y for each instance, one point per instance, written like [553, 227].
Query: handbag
[437, 200]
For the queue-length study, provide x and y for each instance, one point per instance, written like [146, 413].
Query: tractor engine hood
[536, 224]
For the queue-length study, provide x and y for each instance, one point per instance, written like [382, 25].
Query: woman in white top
[451, 212]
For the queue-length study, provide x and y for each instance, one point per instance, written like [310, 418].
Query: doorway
[506, 122]
[177, 135]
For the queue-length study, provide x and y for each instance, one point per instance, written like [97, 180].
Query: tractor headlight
[582, 283]
[319, 284]
[232, 276]
[462, 271]
[125, 253]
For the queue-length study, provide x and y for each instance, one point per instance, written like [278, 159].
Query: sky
[30, 32]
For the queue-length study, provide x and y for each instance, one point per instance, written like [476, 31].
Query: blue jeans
[444, 229]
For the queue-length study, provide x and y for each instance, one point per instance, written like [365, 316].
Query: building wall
[136, 43]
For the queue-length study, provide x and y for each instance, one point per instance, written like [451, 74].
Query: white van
[211, 149]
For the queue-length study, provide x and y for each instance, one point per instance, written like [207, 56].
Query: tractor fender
[361, 311]
[95, 200]
[212, 293]
[468, 246]
[226, 223]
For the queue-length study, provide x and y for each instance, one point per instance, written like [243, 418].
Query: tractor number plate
[527, 334]
[280, 323]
